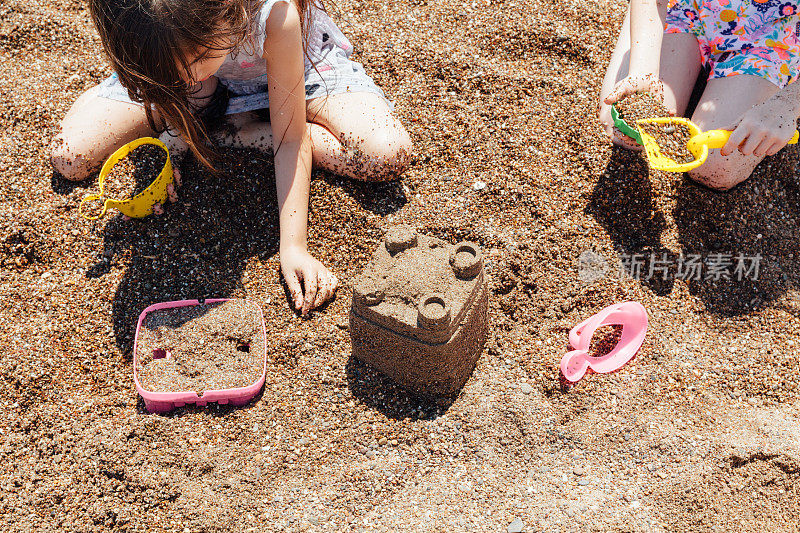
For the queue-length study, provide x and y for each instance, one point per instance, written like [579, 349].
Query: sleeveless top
[248, 63]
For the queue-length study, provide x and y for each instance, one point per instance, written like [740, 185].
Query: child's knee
[68, 159]
[718, 174]
[390, 151]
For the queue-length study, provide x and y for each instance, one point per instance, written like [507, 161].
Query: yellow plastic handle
[710, 138]
[141, 204]
[92, 197]
[718, 138]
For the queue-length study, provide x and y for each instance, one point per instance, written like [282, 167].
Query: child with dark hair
[181, 65]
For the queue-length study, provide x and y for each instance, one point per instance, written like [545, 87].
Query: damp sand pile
[671, 140]
[638, 106]
[135, 172]
[201, 347]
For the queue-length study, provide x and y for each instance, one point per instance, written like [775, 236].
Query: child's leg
[95, 127]
[358, 135]
[375, 145]
[723, 103]
[92, 130]
[680, 66]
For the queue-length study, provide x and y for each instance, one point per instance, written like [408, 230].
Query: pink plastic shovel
[164, 401]
[633, 319]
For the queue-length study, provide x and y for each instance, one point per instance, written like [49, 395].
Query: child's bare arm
[292, 146]
[647, 31]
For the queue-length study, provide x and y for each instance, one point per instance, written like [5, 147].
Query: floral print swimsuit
[757, 37]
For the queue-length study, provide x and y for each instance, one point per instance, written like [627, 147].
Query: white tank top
[248, 63]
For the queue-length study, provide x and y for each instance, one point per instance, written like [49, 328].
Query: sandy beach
[699, 432]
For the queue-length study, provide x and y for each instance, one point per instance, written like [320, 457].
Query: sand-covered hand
[318, 283]
[648, 83]
[763, 130]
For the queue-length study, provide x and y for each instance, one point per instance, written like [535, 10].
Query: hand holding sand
[318, 283]
[646, 83]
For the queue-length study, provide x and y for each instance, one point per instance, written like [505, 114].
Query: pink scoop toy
[164, 402]
[633, 319]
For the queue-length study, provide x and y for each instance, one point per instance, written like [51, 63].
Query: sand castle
[419, 312]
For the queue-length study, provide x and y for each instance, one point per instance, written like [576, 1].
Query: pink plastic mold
[632, 316]
[164, 402]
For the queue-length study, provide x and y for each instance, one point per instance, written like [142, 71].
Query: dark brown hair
[148, 43]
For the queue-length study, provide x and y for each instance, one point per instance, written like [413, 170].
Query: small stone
[370, 454]
[383, 441]
[525, 388]
[739, 455]
[583, 482]
[479, 185]
[515, 526]
[578, 471]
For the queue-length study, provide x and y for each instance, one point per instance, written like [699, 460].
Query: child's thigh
[360, 118]
[725, 100]
[680, 68]
[721, 106]
[93, 129]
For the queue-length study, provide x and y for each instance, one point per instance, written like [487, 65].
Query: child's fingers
[311, 282]
[329, 283]
[324, 291]
[734, 141]
[616, 95]
[765, 145]
[158, 209]
[171, 193]
[771, 146]
[752, 142]
[334, 283]
[622, 88]
[295, 290]
[177, 175]
[775, 148]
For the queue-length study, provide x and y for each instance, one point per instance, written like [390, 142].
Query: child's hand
[320, 283]
[764, 130]
[172, 194]
[644, 83]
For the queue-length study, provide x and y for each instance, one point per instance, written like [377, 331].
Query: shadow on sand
[755, 226]
[201, 245]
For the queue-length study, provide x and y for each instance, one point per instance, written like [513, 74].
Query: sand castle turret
[419, 312]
